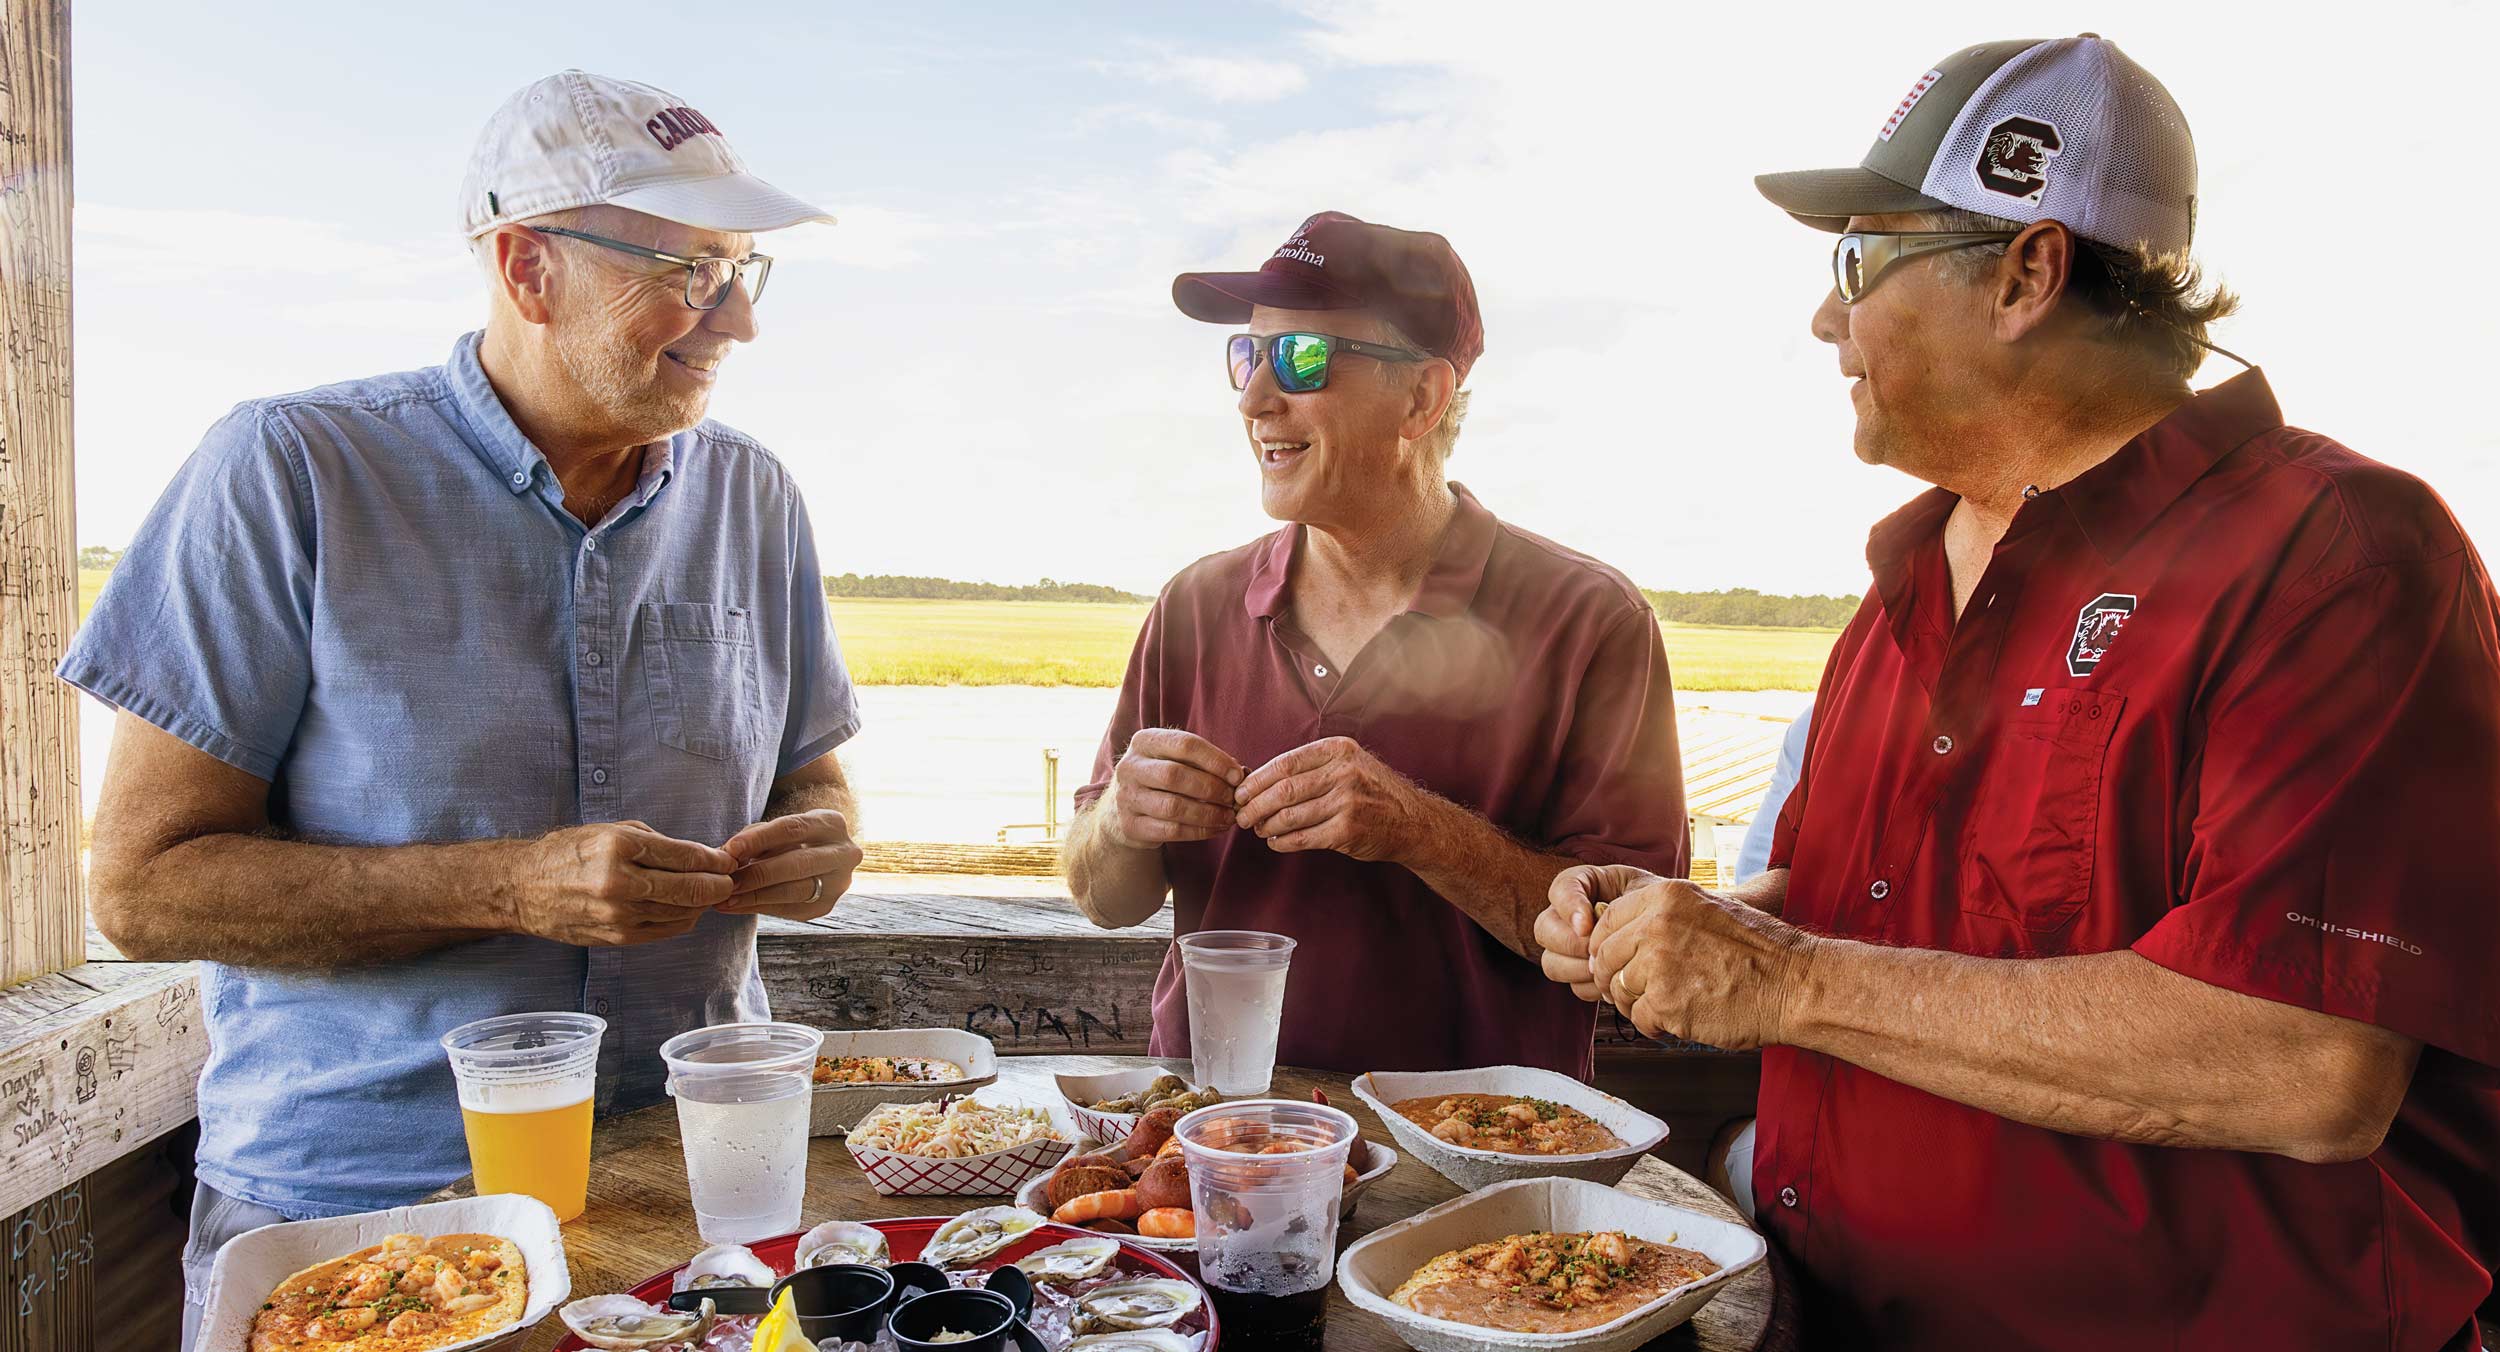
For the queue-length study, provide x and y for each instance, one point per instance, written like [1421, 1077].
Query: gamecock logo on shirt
[2014, 160]
[2096, 627]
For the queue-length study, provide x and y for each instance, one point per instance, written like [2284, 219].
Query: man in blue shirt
[500, 685]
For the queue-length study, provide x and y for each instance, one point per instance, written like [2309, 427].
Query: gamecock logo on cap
[2014, 160]
[2096, 627]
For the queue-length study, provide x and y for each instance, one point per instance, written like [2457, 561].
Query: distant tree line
[98, 556]
[893, 587]
[1745, 606]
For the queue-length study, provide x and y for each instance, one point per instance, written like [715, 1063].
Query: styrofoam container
[1471, 1168]
[997, 1173]
[252, 1264]
[836, 1108]
[1081, 1090]
[1380, 1263]
[1372, 1162]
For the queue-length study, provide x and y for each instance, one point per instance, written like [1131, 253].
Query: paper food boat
[252, 1264]
[836, 1108]
[999, 1172]
[1380, 1262]
[1471, 1168]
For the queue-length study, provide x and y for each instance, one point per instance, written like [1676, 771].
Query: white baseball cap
[2067, 130]
[577, 139]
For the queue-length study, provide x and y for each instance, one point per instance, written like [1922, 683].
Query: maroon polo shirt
[2231, 700]
[1524, 682]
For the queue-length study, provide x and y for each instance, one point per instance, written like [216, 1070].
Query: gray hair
[1443, 438]
[2158, 306]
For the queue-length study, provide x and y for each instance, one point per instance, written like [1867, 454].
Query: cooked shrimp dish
[1543, 1283]
[1510, 1123]
[405, 1294]
[885, 1070]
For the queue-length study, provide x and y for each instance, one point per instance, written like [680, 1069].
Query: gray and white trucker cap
[2068, 130]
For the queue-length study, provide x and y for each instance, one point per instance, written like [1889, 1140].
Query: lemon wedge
[778, 1330]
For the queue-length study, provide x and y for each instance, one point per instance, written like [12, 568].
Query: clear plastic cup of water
[743, 1091]
[1236, 985]
[1265, 1176]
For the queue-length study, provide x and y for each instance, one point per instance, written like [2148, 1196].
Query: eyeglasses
[1300, 360]
[1859, 259]
[708, 278]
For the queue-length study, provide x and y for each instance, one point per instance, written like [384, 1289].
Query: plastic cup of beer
[743, 1092]
[1236, 985]
[525, 1089]
[1265, 1176]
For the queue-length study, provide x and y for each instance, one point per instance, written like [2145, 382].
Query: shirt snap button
[1943, 745]
[1788, 1197]
[1879, 889]
[598, 776]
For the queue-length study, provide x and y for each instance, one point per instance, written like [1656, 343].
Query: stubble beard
[617, 381]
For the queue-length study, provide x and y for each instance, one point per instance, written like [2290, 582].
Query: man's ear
[2031, 278]
[524, 272]
[1429, 399]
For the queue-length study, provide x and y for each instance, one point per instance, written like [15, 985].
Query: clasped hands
[1325, 795]
[612, 883]
[1676, 959]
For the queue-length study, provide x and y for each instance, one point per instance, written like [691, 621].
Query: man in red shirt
[1384, 729]
[2122, 964]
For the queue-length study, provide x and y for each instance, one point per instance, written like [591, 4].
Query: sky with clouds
[979, 374]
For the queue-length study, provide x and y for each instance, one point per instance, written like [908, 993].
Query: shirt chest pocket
[706, 691]
[2027, 848]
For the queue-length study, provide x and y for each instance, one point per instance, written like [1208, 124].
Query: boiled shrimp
[1119, 1204]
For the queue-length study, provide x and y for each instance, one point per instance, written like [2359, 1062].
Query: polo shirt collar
[1449, 586]
[2116, 500]
[499, 441]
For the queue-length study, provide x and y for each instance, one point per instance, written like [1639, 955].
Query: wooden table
[640, 1220]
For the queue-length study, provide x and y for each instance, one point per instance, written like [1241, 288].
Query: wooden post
[43, 928]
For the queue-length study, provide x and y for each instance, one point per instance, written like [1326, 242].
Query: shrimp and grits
[405, 1294]
[1512, 1124]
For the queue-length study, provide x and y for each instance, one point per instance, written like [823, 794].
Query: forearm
[1114, 884]
[1766, 891]
[263, 901]
[812, 797]
[2110, 1045]
[1498, 882]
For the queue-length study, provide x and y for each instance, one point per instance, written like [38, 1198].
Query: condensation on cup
[1236, 985]
[1265, 1177]
[742, 1093]
[526, 1082]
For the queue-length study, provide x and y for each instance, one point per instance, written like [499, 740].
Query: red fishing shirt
[1524, 682]
[2230, 700]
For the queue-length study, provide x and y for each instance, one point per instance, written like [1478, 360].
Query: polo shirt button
[1319, 669]
[1943, 745]
[598, 776]
[1788, 1197]
[600, 1006]
[1879, 889]
[592, 657]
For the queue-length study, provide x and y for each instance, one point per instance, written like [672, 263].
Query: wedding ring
[819, 893]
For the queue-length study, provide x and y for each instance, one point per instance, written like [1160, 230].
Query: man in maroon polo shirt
[2123, 964]
[1385, 728]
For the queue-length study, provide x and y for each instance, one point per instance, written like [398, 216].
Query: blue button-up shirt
[371, 595]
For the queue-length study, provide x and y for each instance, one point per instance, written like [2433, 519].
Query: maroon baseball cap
[1412, 278]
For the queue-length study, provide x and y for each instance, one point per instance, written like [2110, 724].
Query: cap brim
[1227, 297]
[738, 203]
[1827, 198]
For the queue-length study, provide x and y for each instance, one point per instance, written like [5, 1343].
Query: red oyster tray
[906, 1236]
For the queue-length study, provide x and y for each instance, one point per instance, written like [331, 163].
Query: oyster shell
[976, 1235]
[1135, 1340]
[624, 1324]
[1149, 1303]
[723, 1265]
[842, 1242]
[1072, 1261]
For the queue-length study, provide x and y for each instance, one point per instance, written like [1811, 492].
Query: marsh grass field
[1075, 643]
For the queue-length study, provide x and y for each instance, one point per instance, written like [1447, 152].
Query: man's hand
[1681, 961]
[1169, 786]
[1570, 917]
[1332, 795]
[794, 867]
[614, 883]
